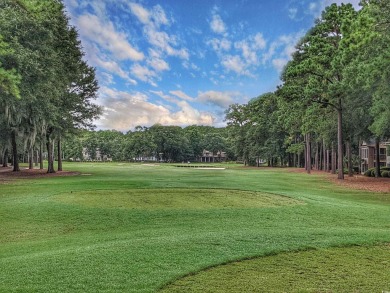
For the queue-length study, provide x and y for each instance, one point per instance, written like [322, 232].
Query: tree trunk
[326, 161]
[30, 159]
[14, 152]
[349, 157]
[308, 154]
[5, 158]
[325, 158]
[50, 157]
[299, 160]
[36, 155]
[340, 174]
[317, 158]
[377, 159]
[59, 154]
[40, 156]
[334, 156]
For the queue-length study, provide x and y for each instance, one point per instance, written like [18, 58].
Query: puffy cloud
[104, 34]
[159, 16]
[143, 73]
[141, 13]
[234, 63]
[220, 45]
[292, 12]
[124, 111]
[95, 57]
[158, 64]
[220, 99]
[247, 52]
[165, 97]
[181, 95]
[245, 58]
[259, 42]
[279, 52]
[217, 25]
[161, 40]
[164, 42]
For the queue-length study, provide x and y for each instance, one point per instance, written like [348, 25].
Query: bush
[371, 172]
[368, 173]
[385, 173]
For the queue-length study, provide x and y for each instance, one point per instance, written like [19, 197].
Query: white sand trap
[150, 165]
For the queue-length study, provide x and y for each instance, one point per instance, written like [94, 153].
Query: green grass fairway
[139, 228]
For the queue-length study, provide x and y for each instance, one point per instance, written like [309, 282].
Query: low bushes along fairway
[137, 228]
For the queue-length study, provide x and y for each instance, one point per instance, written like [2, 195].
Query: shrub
[371, 172]
[368, 173]
[385, 173]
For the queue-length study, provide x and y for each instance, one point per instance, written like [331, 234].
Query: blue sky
[183, 62]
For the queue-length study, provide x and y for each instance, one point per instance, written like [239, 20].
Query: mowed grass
[352, 269]
[137, 228]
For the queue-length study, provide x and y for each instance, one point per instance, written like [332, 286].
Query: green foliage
[372, 172]
[41, 61]
[385, 173]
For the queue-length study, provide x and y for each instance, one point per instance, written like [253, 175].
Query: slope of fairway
[54, 238]
[353, 269]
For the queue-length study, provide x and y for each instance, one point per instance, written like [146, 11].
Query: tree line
[335, 93]
[165, 143]
[46, 87]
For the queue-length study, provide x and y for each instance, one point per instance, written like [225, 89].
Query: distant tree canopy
[167, 143]
[46, 88]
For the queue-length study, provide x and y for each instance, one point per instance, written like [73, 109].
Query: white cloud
[235, 64]
[259, 42]
[217, 25]
[158, 64]
[220, 45]
[165, 97]
[220, 99]
[105, 35]
[247, 52]
[153, 19]
[95, 57]
[164, 42]
[159, 16]
[279, 52]
[125, 111]
[143, 73]
[106, 78]
[181, 95]
[292, 12]
[141, 13]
